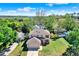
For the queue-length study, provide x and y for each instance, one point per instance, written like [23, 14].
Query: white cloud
[25, 9]
[56, 12]
[49, 12]
[19, 14]
[52, 10]
[75, 7]
[61, 3]
[63, 11]
[50, 4]
[16, 13]
[11, 11]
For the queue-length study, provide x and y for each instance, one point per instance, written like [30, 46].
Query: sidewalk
[11, 49]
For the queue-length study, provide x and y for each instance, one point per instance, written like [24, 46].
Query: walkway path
[14, 45]
[34, 53]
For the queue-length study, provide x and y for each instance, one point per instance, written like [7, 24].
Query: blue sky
[29, 9]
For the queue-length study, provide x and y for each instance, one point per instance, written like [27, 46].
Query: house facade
[33, 43]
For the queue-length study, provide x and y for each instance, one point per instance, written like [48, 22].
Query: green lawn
[19, 50]
[1, 43]
[55, 48]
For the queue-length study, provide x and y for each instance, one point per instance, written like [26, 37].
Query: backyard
[55, 48]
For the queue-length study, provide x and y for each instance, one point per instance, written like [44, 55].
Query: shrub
[54, 36]
[7, 36]
[73, 39]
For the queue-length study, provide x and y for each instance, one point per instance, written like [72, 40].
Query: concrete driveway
[33, 52]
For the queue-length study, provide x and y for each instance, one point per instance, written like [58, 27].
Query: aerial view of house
[39, 29]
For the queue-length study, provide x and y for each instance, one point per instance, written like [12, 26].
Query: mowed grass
[55, 48]
[19, 50]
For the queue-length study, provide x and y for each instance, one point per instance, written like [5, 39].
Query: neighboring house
[59, 30]
[20, 36]
[42, 34]
[76, 16]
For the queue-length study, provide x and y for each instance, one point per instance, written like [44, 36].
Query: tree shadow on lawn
[26, 49]
[25, 46]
